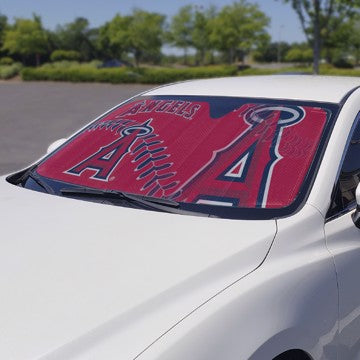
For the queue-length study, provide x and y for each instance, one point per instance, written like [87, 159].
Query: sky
[284, 24]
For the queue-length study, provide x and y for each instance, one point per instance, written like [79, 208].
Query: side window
[344, 194]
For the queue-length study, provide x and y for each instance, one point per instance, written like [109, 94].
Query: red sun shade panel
[255, 155]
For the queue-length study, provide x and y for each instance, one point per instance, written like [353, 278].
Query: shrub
[59, 55]
[89, 73]
[325, 69]
[80, 74]
[67, 64]
[342, 63]
[6, 60]
[9, 71]
[299, 55]
[74, 72]
[340, 72]
[293, 70]
[166, 75]
[255, 71]
[63, 64]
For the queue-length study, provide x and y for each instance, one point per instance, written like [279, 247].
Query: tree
[113, 39]
[343, 45]
[299, 53]
[140, 34]
[3, 27]
[26, 38]
[354, 39]
[238, 28]
[145, 35]
[181, 29]
[67, 55]
[272, 52]
[77, 36]
[201, 32]
[320, 18]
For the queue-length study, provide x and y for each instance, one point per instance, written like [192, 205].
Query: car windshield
[217, 152]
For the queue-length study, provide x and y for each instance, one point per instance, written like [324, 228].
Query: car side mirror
[53, 146]
[356, 214]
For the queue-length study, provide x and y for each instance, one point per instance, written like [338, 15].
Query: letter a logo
[238, 170]
[104, 161]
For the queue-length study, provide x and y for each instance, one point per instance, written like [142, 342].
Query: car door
[343, 241]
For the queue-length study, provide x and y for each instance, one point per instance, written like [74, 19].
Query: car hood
[85, 280]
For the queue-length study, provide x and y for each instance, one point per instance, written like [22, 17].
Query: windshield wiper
[166, 205]
[154, 202]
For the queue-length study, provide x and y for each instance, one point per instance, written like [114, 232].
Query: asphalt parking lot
[34, 114]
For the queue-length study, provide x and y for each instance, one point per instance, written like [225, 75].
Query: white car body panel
[84, 283]
[343, 240]
[294, 87]
[267, 312]
[184, 287]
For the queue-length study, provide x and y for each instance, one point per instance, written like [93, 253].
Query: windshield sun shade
[243, 153]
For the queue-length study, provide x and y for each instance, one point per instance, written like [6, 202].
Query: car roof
[291, 87]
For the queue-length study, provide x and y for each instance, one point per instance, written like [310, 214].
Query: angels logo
[105, 160]
[250, 159]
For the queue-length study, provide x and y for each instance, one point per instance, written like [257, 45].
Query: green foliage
[343, 63]
[140, 34]
[59, 55]
[27, 38]
[324, 70]
[235, 30]
[354, 39]
[253, 71]
[6, 60]
[181, 28]
[77, 36]
[282, 71]
[73, 72]
[67, 64]
[271, 52]
[82, 73]
[3, 27]
[167, 75]
[344, 43]
[202, 30]
[299, 54]
[145, 33]
[207, 36]
[340, 72]
[9, 71]
[238, 28]
[320, 20]
[113, 40]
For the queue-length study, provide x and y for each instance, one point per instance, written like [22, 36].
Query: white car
[204, 220]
